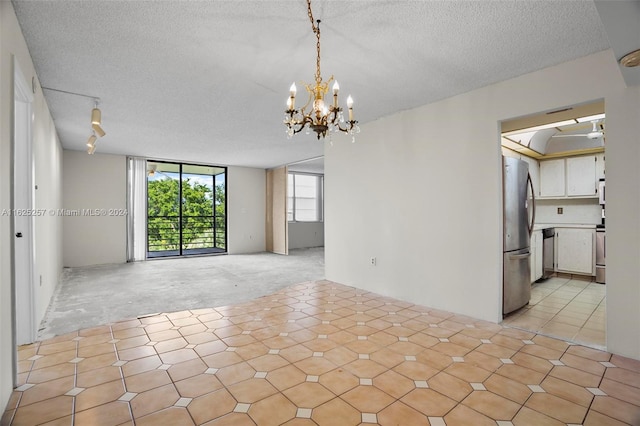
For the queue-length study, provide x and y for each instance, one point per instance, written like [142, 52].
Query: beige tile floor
[570, 309]
[319, 353]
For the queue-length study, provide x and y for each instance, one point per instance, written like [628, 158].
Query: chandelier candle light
[319, 118]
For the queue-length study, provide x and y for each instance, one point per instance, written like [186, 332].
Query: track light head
[98, 130]
[91, 141]
[91, 149]
[96, 116]
[96, 121]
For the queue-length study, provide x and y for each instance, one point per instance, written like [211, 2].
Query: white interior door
[23, 204]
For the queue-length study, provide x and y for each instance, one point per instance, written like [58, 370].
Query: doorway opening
[565, 152]
[186, 209]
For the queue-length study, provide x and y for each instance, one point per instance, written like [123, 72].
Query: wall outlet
[40, 280]
[372, 261]
[560, 210]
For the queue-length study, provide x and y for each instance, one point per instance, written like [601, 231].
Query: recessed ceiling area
[563, 132]
[207, 81]
[314, 166]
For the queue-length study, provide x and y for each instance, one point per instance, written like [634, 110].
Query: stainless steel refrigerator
[519, 216]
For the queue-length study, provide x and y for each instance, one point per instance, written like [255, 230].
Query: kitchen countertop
[539, 226]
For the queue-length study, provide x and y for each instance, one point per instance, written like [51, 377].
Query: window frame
[180, 172]
[319, 198]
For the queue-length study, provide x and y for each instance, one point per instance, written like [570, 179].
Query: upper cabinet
[581, 176]
[575, 177]
[552, 180]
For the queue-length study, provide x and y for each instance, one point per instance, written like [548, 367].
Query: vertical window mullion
[320, 201]
[213, 212]
[180, 219]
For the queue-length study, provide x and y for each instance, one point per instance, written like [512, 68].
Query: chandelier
[320, 118]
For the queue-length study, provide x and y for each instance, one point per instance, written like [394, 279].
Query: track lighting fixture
[96, 115]
[91, 143]
[98, 130]
[92, 148]
[96, 120]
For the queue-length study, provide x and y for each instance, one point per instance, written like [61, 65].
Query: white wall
[435, 222]
[246, 204]
[47, 154]
[97, 181]
[306, 234]
[48, 195]
[623, 222]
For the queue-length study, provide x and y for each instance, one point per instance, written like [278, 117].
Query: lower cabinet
[536, 255]
[575, 250]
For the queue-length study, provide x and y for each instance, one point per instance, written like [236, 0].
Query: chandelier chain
[315, 26]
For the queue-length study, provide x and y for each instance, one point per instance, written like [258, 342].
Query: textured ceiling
[206, 81]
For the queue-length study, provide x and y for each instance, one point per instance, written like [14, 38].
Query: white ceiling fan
[595, 132]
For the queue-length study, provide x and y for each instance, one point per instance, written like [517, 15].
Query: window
[186, 209]
[304, 197]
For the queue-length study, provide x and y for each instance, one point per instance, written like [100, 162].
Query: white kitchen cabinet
[599, 166]
[552, 180]
[575, 250]
[581, 176]
[536, 255]
[571, 177]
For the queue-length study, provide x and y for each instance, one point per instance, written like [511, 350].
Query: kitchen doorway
[565, 151]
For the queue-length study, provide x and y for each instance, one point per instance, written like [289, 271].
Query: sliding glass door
[186, 209]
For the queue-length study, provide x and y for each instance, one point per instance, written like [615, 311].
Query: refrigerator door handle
[519, 256]
[533, 204]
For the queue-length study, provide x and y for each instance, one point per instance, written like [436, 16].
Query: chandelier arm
[301, 124]
[309, 101]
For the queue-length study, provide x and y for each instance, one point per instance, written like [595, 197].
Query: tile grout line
[572, 338]
[75, 381]
[523, 405]
[124, 383]
[594, 396]
[567, 304]
[26, 380]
